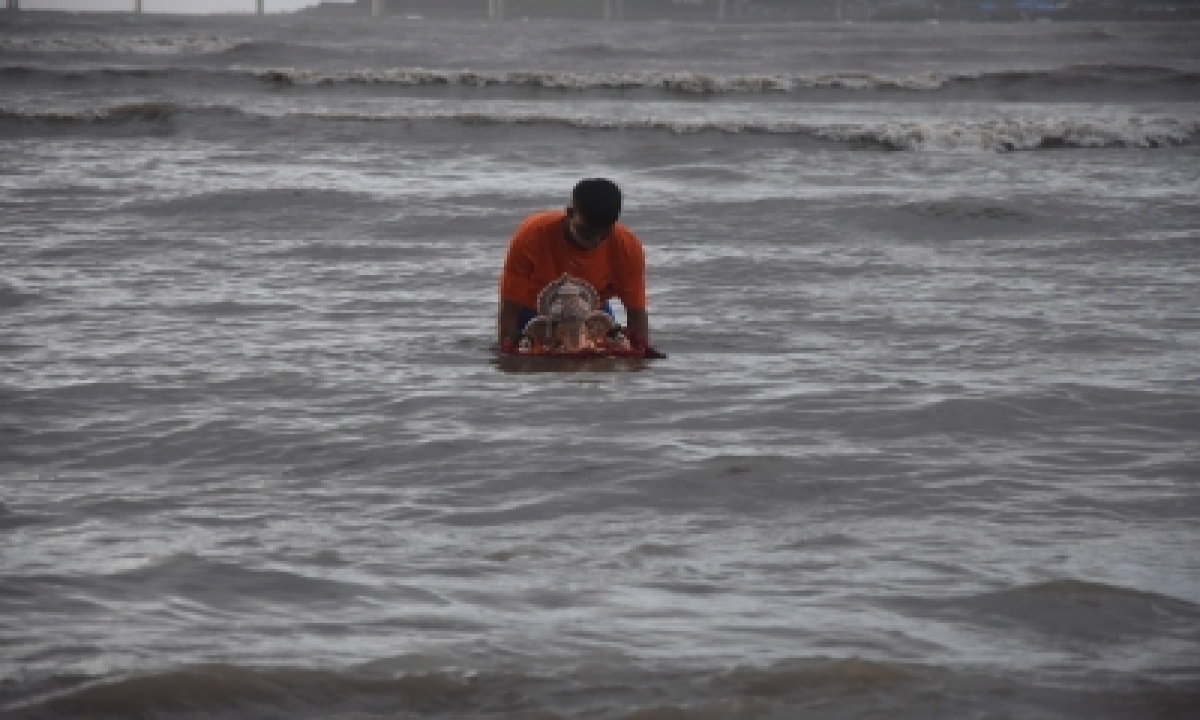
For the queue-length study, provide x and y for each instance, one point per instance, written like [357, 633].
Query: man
[586, 242]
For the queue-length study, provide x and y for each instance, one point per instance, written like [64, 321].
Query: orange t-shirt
[539, 253]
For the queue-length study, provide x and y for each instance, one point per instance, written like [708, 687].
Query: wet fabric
[538, 254]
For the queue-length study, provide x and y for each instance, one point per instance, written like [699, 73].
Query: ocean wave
[999, 134]
[149, 111]
[195, 577]
[1087, 611]
[230, 690]
[10, 520]
[233, 202]
[679, 82]
[709, 84]
[826, 688]
[134, 45]
[74, 73]
[605, 50]
[991, 135]
[1080, 74]
[13, 296]
[1072, 78]
[1092, 594]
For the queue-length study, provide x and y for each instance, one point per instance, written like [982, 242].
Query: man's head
[599, 200]
[595, 207]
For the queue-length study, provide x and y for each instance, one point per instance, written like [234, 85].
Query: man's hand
[639, 324]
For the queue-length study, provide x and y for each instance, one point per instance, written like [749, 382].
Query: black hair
[598, 200]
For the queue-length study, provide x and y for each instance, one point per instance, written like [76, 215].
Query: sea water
[926, 444]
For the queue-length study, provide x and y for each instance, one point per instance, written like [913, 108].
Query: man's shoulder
[540, 223]
[625, 237]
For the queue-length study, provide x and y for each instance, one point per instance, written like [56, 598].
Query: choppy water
[926, 444]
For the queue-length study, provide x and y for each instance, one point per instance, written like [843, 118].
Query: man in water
[584, 241]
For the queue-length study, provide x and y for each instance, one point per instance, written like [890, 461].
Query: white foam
[1006, 134]
[942, 134]
[684, 82]
[959, 135]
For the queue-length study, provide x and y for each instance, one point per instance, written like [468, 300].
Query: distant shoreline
[781, 10]
[930, 11]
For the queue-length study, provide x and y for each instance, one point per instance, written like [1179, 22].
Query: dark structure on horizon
[260, 7]
[768, 10]
[753, 10]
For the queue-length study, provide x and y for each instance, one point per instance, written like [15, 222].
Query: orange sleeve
[631, 280]
[516, 279]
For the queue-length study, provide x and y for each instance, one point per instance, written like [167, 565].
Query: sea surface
[926, 445]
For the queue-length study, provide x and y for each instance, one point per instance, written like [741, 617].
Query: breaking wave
[1092, 79]
[994, 135]
[1000, 134]
[705, 83]
[685, 82]
[134, 45]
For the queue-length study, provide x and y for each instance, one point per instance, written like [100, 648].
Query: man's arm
[507, 318]
[639, 323]
[514, 281]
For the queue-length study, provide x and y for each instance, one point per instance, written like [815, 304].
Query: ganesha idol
[570, 322]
